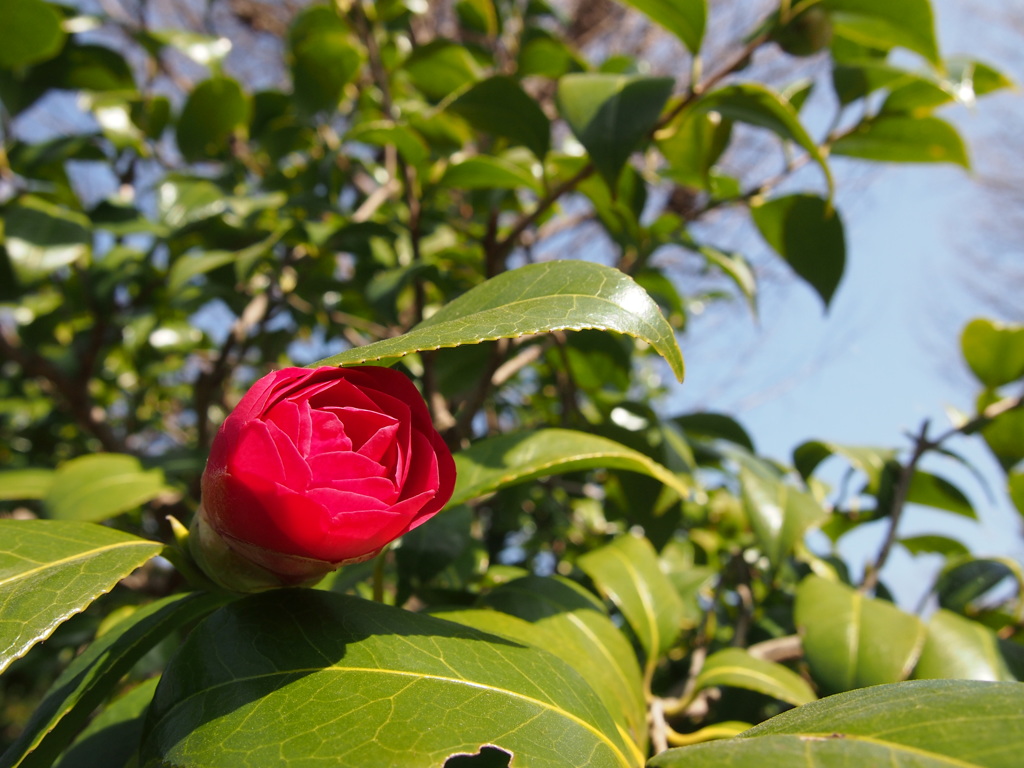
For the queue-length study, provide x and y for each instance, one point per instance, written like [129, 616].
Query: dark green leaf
[715, 426]
[994, 351]
[683, 18]
[216, 111]
[504, 460]
[871, 461]
[499, 106]
[383, 133]
[807, 232]
[611, 115]
[627, 572]
[440, 68]
[30, 33]
[933, 491]
[904, 139]
[853, 641]
[557, 295]
[334, 678]
[929, 543]
[90, 678]
[51, 570]
[112, 738]
[488, 172]
[918, 724]
[962, 583]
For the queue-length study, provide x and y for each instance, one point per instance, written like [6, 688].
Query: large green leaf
[871, 461]
[807, 232]
[852, 641]
[31, 33]
[883, 24]
[499, 106]
[904, 139]
[957, 647]
[683, 18]
[504, 460]
[918, 724]
[757, 105]
[214, 113]
[933, 491]
[612, 114]
[779, 513]
[628, 573]
[89, 679]
[551, 296]
[994, 351]
[585, 638]
[324, 58]
[51, 570]
[335, 679]
[737, 668]
[101, 485]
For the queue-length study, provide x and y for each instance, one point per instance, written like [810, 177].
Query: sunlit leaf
[882, 24]
[994, 351]
[853, 641]
[904, 139]
[51, 570]
[504, 460]
[550, 296]
[683, 18]
[957, 647]
[735, 667]
[94, 487]
[918, 724]
[779, 513]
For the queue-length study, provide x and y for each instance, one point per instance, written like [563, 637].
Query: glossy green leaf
[550, 296]
[871, 461]
[440, 68]
[627, 572]
[904, 139]
[51, 570]
[18, 484]
[575, 651]
[504, 460]
[1015, 486]
[757, 105]
[324, 58]
[487, 172]
[1002, 434]
[736, 668]
[691, 144]
[112, 738]
[42, 237]
[101, 485]
[933, 491]
[883, 24]
[807, 232]
[917, 724]
[611, 115]
[958, 648]
[584, 637]
[962, 583]
[499, 106]
[994, 351]
[853, 641]
[333, 678]
[30, 33]
[683, 18]
[89, 679]
[215, 112]
[715, 426]
[779, 513]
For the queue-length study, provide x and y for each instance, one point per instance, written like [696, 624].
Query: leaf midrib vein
[78, 556]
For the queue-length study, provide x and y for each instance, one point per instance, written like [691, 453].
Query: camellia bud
[315, 469]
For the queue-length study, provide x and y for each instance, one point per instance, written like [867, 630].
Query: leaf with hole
[337, 679]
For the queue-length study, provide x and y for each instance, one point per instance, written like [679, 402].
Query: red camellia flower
[314, 469]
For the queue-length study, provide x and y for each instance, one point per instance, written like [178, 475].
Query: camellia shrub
[334, 343]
